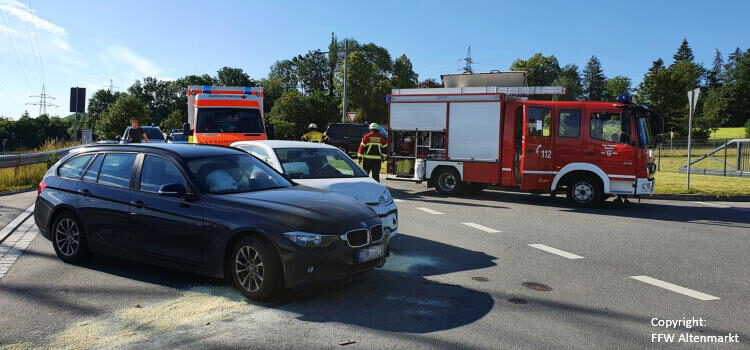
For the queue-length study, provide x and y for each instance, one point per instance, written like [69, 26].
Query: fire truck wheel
[448, 181]
[585, 191]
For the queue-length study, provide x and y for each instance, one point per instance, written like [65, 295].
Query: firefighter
[313, 135]
[371, 151]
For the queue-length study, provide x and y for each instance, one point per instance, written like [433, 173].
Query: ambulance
[462, 139]
[221, 115]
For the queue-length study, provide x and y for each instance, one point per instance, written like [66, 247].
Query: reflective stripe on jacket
[372, 146]
[314, 136]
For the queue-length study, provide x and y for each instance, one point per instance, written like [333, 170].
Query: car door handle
[84, 192]
[138, 204]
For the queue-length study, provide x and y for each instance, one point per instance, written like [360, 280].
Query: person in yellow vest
[371, 151]
[313, 135]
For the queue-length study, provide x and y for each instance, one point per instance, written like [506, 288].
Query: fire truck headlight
[646, 185]
[650, 153]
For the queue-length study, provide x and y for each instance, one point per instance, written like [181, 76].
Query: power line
[13, 44]
[43, 104]
[39, 52]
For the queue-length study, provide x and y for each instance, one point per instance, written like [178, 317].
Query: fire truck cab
[221, 115]
[464, 139]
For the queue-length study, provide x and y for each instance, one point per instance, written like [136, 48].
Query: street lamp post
[346, 56]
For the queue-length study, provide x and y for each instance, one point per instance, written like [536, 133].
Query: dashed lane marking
[398, 200]
[15, 244]
[675, 288]
[713, 205]
[481, 227]
[556, 251]
[429, 211]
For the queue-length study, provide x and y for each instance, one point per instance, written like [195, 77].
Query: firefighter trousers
[372, 166]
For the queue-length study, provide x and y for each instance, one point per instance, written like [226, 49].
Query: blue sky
[87, 43]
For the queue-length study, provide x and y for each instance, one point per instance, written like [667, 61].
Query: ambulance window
[570, 123]
[539, 121]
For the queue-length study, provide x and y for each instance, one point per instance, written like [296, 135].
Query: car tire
[256, 269]
[585, 191]
[448, 181]
[69, 239]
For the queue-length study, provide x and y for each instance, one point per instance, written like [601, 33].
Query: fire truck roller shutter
[422, 116]
[581, 167]
[474, 131]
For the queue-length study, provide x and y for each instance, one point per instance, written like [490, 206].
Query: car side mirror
[173, 190]
[118, 138]
[186, 129]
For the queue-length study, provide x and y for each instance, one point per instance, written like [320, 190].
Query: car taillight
[41, 187]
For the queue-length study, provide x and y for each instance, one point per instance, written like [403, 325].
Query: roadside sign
[692, 102]
[693, 98]
[352, 116]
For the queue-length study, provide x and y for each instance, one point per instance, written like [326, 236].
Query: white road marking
[481, 227]
[12, 225]
[674, 288]
[429, 211]
[713, 204]
[556, 251]
[15, 244]
[398, 200]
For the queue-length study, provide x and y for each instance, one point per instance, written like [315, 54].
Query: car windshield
[231, 120]
[154, 134]
[317, 163]
[234, 174]
[645, 130]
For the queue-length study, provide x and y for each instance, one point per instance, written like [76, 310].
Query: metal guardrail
[14, 161]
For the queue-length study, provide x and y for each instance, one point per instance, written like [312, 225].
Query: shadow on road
[399, 297]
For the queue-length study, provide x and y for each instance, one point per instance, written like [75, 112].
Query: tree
[228, 76]
[98, 104]
[429, 83]
[161, 96]
[117, 117]
[594, 81]
[616, 86]
[312, 72]
[540, 70]
[285, 73]
[403, 74]
[570, 79]
[714, 75]
[293, 112]
[684, 53]
[333, 61]
[173, 121]
[736, 87]
[665, 90]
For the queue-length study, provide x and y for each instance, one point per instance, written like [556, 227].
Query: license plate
[370, 253]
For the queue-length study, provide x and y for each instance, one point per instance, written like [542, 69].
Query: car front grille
[362, 237]
[376, 233]
[357, 238]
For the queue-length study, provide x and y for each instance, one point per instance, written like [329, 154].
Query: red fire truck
[465, 138]
[221, 115]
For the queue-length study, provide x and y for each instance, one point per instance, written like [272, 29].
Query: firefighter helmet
[374, 126]
[312, 126]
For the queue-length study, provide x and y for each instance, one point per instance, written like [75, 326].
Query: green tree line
[307, 88]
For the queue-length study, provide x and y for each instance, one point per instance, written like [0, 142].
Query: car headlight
[307, 239]
[385, 197]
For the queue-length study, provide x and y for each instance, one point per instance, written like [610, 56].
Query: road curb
[699, 197]
[17, 191]
[15, 223]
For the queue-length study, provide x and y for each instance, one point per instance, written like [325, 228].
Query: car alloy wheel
[67, 237]
[249, 268]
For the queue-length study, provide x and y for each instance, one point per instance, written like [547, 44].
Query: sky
[69, 43]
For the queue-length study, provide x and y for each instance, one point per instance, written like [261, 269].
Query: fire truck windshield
[229, 120]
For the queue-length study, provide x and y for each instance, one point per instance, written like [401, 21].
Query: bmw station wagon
[212, 210]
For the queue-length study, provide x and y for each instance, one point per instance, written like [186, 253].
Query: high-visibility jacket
[373, 146]
[314, 136]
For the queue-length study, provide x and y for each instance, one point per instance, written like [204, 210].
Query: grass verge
[729, 133]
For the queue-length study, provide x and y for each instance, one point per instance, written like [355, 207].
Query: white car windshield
[317, 163]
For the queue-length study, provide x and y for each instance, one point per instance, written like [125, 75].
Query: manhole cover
[537, 286]
[518, 301]
[481, 279]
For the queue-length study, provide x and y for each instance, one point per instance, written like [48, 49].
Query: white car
[326, 167]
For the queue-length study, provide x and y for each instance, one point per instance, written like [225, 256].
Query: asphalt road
[455, 280]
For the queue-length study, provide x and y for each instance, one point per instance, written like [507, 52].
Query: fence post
[726, 144]
[739, 157]
[658, 163]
